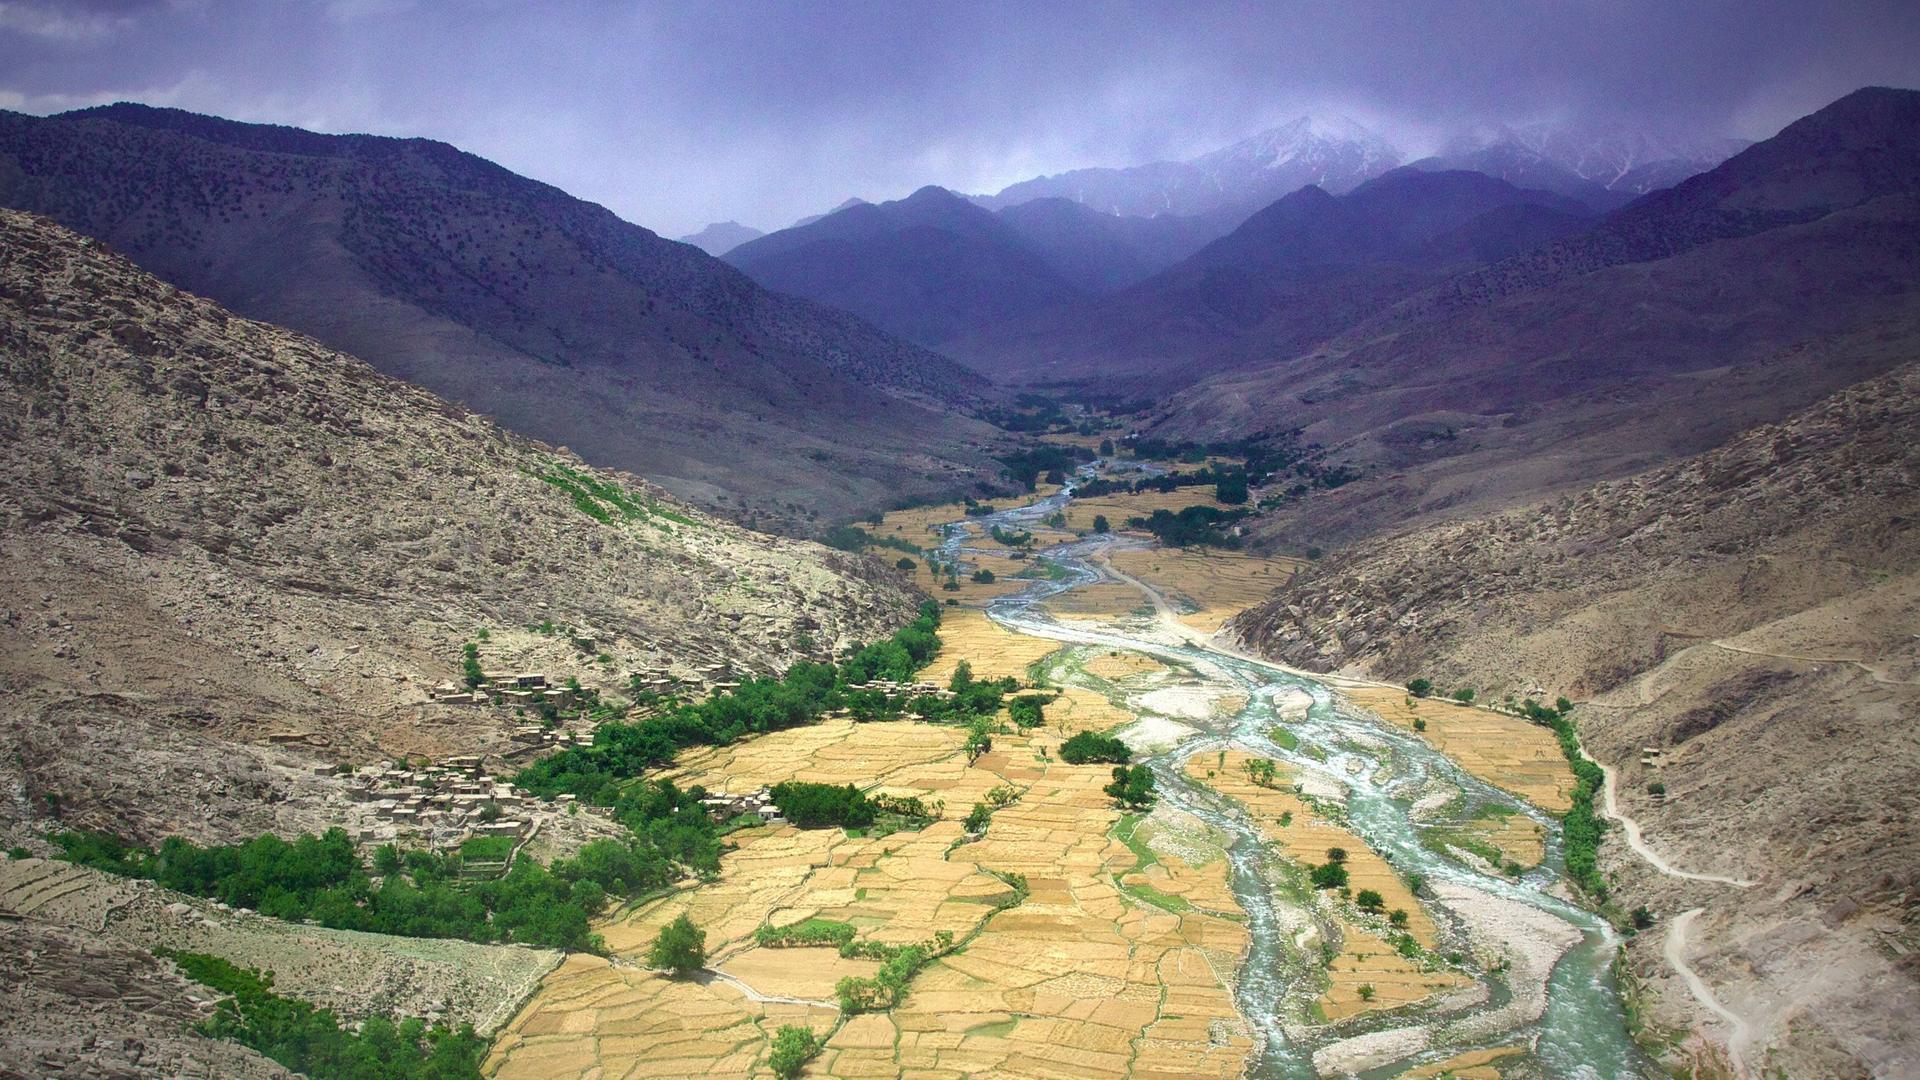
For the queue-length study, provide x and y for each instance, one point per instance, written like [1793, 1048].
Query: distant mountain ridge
[514, 298]
[1334, 153]
[720, 237]
[926, 267]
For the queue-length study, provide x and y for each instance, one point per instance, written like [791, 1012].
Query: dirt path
[1675, 951]
[710, 975]
[1611, 809]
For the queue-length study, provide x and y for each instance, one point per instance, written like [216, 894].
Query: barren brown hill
[513, 298]
[1746, 293]
[231, 554]
[1749, 614]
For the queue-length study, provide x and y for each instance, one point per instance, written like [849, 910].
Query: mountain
[926, 267]
[1748, 613]
[513, 298]
[1332, 153]
[1304, 267]
[1784, 274]
[1605, 166]
[720, 237]
[851, 202]
[1097, 252]
[231, 553]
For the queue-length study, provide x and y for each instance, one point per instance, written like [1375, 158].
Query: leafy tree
[1370, 900]
[1420, 687]
[1100, 524]
[1329, 876]
[470, 665]
[1642, 918]
[1656, 788]
[905, 564]
[1106, 447]
[1027, 712]
[793, 1047]
[681, 947]
[1398, 917]
[1336, 855]
[1366, 991]
[819, 806]
[1419, 724]
[983, 576]
[978, 817]
[1132, 786]
[1087, 747]
[1464, 695]
[1231, 489]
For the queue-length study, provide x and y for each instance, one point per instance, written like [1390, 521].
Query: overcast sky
[675, 114]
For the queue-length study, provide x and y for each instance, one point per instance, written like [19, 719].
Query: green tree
[1419, 724]
[1366, 991]
[470, 665]
[1370, 900]
[978, 817]
[1336, 855]
[1329, 876]
[905, 564]
[1100, 524]
[1132, 786]
[1398, 917]
[681, 947]
[1106, 447]
[1464, 695]
[1231, 489]
[793, 1047]
[1084, 747]
[983, 576]
[1420, 687]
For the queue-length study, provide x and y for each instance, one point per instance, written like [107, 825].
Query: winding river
[1581, 1032]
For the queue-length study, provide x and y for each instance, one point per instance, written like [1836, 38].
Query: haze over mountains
[511, 297]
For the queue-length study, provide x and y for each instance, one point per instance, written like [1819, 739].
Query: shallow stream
[1582, 1032]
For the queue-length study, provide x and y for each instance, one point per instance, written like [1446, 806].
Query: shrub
[793, 1047]
[1101, 524]
[1419, 724]
[1336, 855]
[1370, 900]
[1366, 991]
[1642, 918]
[1420, 687]
[1088, 747]
[1464, 695]
[681, 947]
[1656, 788]
[1397, 917]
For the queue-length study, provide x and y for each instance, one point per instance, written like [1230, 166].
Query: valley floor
[1089, 940]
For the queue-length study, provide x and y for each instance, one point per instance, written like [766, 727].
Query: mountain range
[513, 298]
[721, 237]
[1784, 274]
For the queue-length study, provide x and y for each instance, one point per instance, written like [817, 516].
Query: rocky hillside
[230, 554]
[1750, 614]
[513, 298]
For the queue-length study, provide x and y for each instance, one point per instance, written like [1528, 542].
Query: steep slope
[926, 267]
[509, 296]
[1299, 270]
[230, 553]
[1332, 153]
[720, 237]
[1739, 296]
[1748, 612]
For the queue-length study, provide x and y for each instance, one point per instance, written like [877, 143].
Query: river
[1582, 1030]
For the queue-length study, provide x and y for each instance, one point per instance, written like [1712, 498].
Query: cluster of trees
[1331, 874]
[1026, 467]
[1086, 747]
[1012, 537]
[1131, 786]
[413, 894]
[1191, 527]
[622, 751]
[1028, 711]
[312, 1042]
[1581, 827]
[1260, 771]
[823, 806]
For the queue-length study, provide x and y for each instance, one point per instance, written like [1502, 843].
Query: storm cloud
[675, 114]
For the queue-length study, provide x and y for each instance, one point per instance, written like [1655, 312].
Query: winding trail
[711, 975]
[1611, 809]
[1675, 951]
